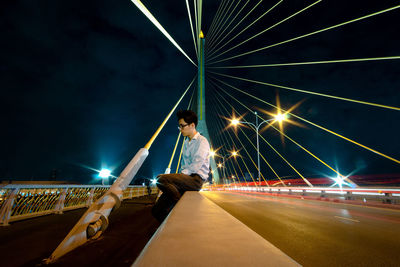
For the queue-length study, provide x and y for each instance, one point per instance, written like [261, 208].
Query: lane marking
[346, 219]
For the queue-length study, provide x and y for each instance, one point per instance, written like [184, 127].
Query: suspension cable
[222, 25]
[309, 92]
[310, 34]
[223, 18]
[191, 27]
[211, 47]
[148, 145]
[283, 158]
[217, 19]
[269, 165]
[316, 125]
[147, 13]
[270, 125]
[241, 21]
[214, 19]
[310, 62]
[251, 24]
[240, 157]
[179, 136]
[237, 136]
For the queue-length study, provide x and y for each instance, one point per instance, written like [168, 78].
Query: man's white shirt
[195, 156]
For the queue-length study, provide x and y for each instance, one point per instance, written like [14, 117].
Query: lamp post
[256, 127]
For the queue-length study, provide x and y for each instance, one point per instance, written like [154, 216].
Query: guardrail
[386, 195]
[19, 201]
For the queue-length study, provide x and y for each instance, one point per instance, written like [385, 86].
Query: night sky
[85, 84]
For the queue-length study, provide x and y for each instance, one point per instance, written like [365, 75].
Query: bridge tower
[201, 103]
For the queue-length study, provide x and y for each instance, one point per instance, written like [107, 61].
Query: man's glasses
[181, 126]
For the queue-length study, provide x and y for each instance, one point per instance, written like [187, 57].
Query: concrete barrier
[199, 233]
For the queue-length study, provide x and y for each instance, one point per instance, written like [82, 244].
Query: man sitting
[194, 169]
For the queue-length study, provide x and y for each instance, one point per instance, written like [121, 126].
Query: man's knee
[162, 179]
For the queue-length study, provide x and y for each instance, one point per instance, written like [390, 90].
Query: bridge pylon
[201, 104]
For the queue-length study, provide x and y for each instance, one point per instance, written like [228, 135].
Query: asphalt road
[317, 233]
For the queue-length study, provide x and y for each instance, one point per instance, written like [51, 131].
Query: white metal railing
[21, 201]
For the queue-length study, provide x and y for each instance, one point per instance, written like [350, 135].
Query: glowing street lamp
[235, 122]
[212, 153]
[340, 181]
[104, 174]
[224, 158]
[280, 117]
[277, 118]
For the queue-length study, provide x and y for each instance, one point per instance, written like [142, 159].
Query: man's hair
[188, 116]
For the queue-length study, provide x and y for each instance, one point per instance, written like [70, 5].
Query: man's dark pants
[173, 186]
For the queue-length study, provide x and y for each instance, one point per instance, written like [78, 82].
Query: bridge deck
[319, 233]
[313, 233]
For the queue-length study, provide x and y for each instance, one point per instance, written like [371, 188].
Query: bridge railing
[19, 202]
[385, 195]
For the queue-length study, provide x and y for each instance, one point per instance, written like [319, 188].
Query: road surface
[318, 233]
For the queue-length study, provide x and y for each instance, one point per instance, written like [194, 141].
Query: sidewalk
[26, 243]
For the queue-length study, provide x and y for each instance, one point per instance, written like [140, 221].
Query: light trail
[318, 126]
[282, 157]
[147, 13]
[334, 207]
[211, 47]
[222, 26]
[309, 92]
[267, 29]
[311, 62]
[251, 24]
[238, 24]
[191, 27]
[309, 34]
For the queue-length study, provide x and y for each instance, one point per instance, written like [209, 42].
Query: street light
[224, 158]
[104, 174]
[277, 118]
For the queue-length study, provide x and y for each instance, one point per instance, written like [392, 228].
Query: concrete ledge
[199, 233]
